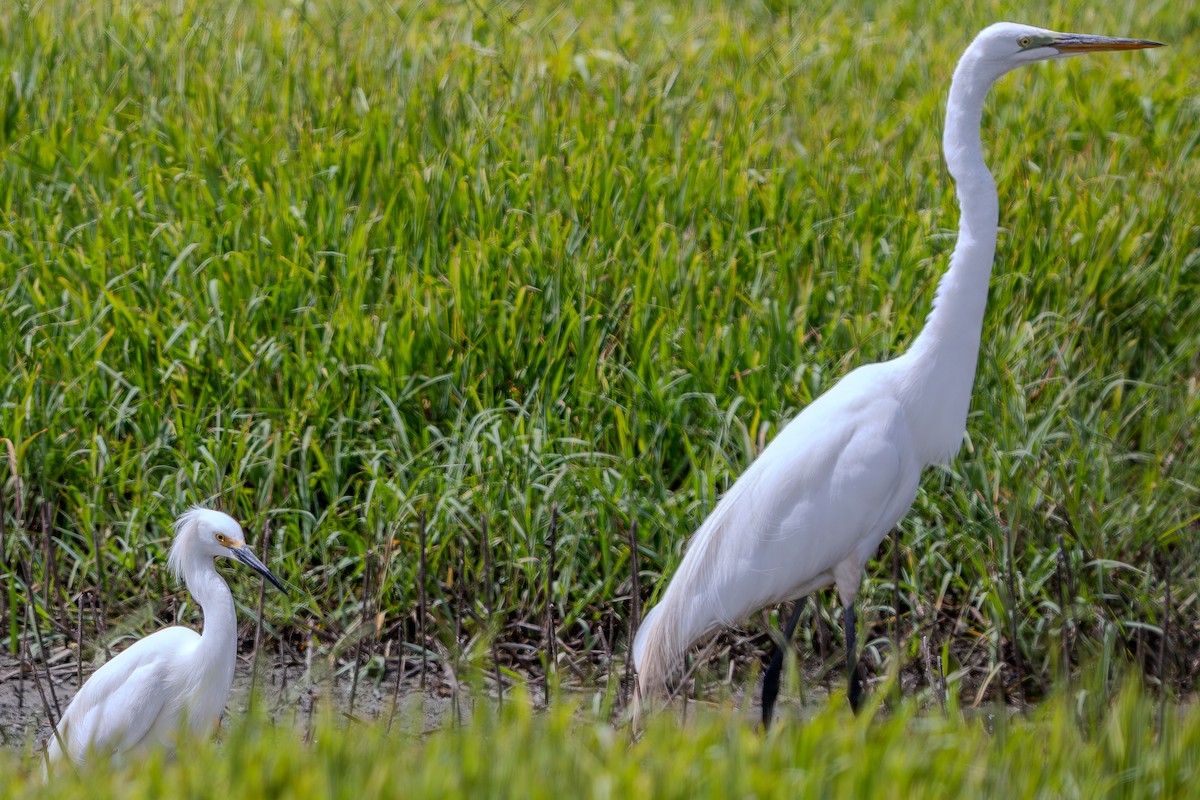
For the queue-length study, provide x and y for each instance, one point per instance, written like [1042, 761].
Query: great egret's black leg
[770, 689]
[854, 690]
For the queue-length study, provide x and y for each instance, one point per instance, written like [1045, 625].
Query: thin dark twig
[610, 649]
[1067, 562]
[635, 603]
[97, 605]
[1012, 613]
[372, 578]
[79, 639]
[23, 653]
[4, 568]
[1065, 610]
[460, 586]
[396, 688]
[896, 595]
[551, 634]
[37, 682]
[938, 685]
[684, 693]
[456, 656]
[399, 677]
[366, 621]
[263, 545]
[37, 632]
[486, 544]
[1070, 572]
[281, 695]
[700, 658]
[384, 571]
[1163, 649]
[309, 696]
[97, 541]
[97, 598]
[50, 564]
[421, 596]
[30, 621]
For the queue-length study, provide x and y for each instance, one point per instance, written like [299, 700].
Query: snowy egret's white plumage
[820, 498]
[175, 677]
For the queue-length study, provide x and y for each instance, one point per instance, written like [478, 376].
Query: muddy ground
[292, 693]
[294, 688]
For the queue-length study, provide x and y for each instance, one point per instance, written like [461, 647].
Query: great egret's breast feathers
[837, 475]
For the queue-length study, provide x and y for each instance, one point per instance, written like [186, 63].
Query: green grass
[1119, 753]
[334, 265]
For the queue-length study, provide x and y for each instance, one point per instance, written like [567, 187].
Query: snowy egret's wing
[123, 699]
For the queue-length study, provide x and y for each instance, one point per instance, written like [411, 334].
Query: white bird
[817, 502]
[174, 677]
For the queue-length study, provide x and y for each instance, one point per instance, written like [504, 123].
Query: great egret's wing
[827, 488]
[123, 699]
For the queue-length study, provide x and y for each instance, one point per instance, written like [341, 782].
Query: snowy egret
[817, 502]
[173, 677]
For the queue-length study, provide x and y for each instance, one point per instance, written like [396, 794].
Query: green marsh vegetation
[520, 753]
[413, 290]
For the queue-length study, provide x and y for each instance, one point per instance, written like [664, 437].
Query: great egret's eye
[1024, 41]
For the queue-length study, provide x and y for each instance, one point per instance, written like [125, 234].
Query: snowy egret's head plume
[141, 698]
[202, 533]
[1007, 45]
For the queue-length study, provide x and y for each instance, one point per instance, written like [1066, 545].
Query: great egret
[817, 502]
[143, 697]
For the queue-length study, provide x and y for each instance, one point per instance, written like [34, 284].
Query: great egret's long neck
[947, 349]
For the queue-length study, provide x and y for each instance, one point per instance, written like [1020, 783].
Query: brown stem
[635, 604]
[421, 596]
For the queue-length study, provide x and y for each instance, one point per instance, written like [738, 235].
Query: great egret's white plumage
[814, 506]
[145, 696]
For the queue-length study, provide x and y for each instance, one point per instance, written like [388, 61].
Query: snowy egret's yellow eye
[1024, 41]
[221, 539]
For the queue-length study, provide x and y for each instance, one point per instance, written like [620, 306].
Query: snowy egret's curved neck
[219, 637]
[946, 351]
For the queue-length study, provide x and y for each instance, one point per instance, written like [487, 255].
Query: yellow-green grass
[1124, 750]
[333, 265]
